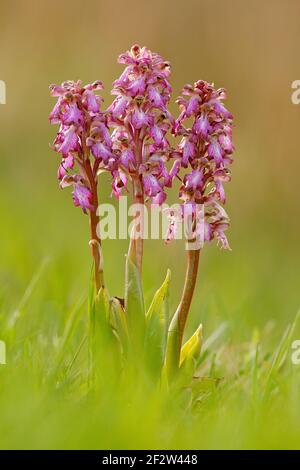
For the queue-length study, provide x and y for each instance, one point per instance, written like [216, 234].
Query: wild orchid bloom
[205, 152]
[141, 121]
[130, 140]
[83, 139]
[84, 143]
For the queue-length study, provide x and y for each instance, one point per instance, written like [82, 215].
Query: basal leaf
[171, 364]
[157, 327]
[118, 320]
[134, 302]
[104, 344]
[191, 349]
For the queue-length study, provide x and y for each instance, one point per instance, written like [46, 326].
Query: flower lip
[82, 197]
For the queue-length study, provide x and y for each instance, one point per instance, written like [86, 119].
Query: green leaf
[171, 364]
[156, 328]
[102, 318]
[118, 320]
[104, 345]
[181, 365]
[159, 298]
[189, 357]
[192, 348]
[134, 303]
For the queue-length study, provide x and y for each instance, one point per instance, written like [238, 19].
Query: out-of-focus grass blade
[254, 373]
[281, 353]
[70, 327]
[74, 358]
[205, 350]
[13, 318]
[214, 336]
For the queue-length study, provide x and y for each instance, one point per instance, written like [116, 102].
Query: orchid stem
[95, 244]
[95, 241]
[138, 195]
[188, 291]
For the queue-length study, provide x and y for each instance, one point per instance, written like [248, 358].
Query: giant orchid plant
[131, 140]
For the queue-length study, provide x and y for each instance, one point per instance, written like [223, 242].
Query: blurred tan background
[251, 49]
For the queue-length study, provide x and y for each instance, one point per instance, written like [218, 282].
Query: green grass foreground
[249, 391]
[245, 299]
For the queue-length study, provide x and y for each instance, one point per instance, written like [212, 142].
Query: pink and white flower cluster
[83, 139]
[141, 121]
[205, 152]
[131, 138]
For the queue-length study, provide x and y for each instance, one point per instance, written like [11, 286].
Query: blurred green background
[251, 49]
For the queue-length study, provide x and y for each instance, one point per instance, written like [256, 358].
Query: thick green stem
[95, 244]
[188, 291]
[177, 325]
[138, 196]
[95, 241]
